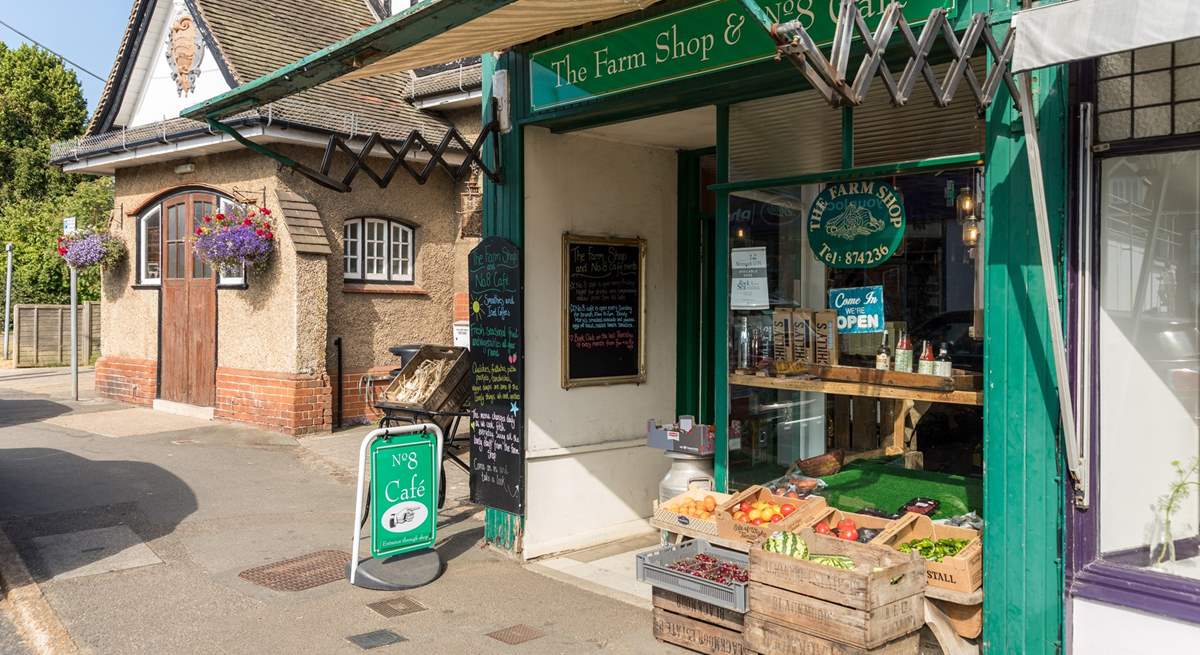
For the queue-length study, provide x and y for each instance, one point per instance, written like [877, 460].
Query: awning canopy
[431, 32]
[1082, 29]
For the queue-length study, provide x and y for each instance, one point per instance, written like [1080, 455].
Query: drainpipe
[337, 394]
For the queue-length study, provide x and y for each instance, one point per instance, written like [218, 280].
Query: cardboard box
[728, 528]
[825, 346]
[803, 336]
[963, 572]
[665, 517]
[781, 333]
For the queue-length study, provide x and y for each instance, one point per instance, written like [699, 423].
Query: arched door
[189, 305]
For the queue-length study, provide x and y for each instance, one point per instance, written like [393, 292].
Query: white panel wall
[588, 475]
[1102, 629]
[157, 96]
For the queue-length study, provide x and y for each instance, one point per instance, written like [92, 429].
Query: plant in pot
[230, 241]
[88, 248]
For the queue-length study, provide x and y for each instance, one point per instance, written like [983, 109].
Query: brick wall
[356, 391]
[127, 380]
[294, 404]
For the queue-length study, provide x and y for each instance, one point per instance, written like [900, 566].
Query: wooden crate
[963, 572]
[696, 635]
[768, 637]
[832, 516]
[730, 529]
[697, 609]
[881, 576]
[967, 620]
[862, 628]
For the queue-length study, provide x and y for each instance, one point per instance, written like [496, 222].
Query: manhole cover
[398, 606]
[516, 634]
[300, 573]
[369, 640]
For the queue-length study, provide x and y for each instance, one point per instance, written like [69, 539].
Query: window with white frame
[149, 246]
[377, 250]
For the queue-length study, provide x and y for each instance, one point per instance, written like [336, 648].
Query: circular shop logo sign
[403, 517]
[856, 224]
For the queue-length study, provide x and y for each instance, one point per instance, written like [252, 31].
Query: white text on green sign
[404, 479]
[856, 224]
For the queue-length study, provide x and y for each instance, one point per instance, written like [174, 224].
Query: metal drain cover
[398, 606]
[516, 634]
[300, 573]
[369, 640]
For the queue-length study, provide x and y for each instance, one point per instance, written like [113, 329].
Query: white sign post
[8, 249]
[68, 229]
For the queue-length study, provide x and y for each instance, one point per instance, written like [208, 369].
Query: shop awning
[1082, 29]
[431, 32]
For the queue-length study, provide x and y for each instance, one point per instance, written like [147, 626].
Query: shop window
[378, 250]
[1149, 362]
[1152, 92]
[150, 242]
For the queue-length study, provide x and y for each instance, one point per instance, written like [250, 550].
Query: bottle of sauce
[942, 365]
[925, 365]
[883, 358]
[904, 355]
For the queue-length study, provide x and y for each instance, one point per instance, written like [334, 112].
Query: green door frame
[1024, 492]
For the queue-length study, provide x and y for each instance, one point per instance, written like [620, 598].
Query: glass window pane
[1113, 94]
[1152, 88]
[350, 248]
[374, 243]
[1150, 360]
[1114, 126]
[1187, 117]
[200, 267]
[1187, 52]
[400, 254]
[1152, 58]
[152, 246]
[1151, 121]
[1187, 83]
[1112, 65]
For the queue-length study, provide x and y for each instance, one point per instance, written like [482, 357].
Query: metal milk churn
[687, 471]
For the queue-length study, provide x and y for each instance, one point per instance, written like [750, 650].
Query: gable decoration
[185, 52]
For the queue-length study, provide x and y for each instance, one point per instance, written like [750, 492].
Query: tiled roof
[461, 78]
[140, 10]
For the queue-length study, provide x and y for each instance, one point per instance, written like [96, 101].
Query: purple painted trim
[1088, 576]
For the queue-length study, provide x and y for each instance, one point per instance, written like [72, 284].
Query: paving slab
[92, 552]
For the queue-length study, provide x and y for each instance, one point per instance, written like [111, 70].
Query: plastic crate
[652, 568]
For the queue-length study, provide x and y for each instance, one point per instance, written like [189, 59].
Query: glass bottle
[743, 343]
[904, 354]
[925, 365]
[942, 365]
[883, 357]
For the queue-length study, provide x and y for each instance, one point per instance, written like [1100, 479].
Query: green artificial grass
[874, 483]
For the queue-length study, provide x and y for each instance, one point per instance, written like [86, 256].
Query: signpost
[8, 249]
[856, 224]
[68, 225]
[405, 467]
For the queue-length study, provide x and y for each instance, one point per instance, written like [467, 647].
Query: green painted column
[503, 215]
[719, 309]
[1023, 479]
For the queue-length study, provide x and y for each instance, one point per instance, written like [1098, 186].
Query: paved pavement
[136, 524]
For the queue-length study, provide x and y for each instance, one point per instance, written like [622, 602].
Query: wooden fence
[43, 334]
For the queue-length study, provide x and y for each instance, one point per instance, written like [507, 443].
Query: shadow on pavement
[458, 543]
[46, 491]
[17, 412]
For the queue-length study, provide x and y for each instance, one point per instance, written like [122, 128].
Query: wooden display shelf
[867, 390]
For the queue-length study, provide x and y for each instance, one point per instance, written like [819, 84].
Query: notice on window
[748, 286]
[859, 309]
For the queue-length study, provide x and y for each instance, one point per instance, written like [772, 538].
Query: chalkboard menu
[603, 311]
[497, 368]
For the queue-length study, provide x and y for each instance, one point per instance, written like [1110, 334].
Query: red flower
[62, 252]
[247, 221]
[264, 211]
[208, 219]
[258, 232]
[220, 217]
[269, 235]
[250, 214]
[199, 231]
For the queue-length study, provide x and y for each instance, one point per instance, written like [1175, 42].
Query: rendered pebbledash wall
[589, 476]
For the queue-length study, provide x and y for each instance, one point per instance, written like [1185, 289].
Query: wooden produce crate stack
[697, 625]
[801, 607]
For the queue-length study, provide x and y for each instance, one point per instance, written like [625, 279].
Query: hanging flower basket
[229, 242]
[85, 249]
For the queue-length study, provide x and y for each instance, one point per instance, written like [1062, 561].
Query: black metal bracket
[399, 151]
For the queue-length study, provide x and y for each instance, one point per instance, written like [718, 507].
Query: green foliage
[33, 226]
[41, 102]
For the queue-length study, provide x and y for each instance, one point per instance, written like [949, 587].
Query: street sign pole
[405, 464]
[74, 334]
[8, 249]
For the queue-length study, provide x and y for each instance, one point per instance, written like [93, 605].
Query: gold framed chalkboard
[603, 310]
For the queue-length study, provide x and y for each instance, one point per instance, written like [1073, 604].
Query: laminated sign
[856, 224]
[404, 492]
[859, 309]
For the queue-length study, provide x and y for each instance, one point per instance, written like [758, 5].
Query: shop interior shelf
[857, 389]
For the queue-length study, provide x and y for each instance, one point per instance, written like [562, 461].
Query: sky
[88, 32]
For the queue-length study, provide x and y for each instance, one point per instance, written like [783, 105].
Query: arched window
[378, 250]
[150, 242]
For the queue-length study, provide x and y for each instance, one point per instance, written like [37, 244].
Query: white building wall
[589, 476]
[1102, 629]
[156, 96]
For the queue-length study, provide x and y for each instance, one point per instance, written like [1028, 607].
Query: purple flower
[92, 248]
[234, 245]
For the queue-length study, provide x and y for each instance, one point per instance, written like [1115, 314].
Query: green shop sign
[404, 479]
[703, 38]
[856, 224]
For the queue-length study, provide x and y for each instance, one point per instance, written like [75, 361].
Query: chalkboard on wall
[604, 311]
[497, 370]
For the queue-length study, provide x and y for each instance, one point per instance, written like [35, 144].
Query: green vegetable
[836, 561]
[934, 550]
[791, 545]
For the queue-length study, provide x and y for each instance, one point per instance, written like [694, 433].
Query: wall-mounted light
[184, 169]
[968, 216]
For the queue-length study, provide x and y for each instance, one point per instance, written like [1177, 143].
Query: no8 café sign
[704, 38]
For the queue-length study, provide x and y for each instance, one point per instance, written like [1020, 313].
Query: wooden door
[189, 305]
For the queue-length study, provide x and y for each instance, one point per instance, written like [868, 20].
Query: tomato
[787, 510]
[746, 507]
[821, 528]
[757, 521]
[776, 518]
[846, 524]
[848, 535]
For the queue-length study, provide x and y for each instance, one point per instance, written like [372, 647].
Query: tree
[42, 102]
